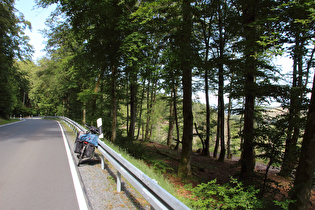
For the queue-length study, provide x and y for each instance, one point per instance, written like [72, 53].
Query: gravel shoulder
[100, 185]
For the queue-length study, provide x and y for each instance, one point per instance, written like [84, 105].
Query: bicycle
[85, 143]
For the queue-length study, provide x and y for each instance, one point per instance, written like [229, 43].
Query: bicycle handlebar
[92, 129]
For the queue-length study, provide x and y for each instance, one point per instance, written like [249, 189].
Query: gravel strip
[100, 185]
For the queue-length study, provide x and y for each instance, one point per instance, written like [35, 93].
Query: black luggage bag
[89, 150]
[78, 144]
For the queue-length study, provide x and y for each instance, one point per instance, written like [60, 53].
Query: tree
[305, 170]
[256, 73]
[298, 32]
[249, 9]
[186, 65]
[13, 45]
[99, 28]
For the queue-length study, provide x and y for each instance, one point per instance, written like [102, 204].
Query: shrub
[228, 196]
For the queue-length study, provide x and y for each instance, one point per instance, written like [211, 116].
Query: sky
[37, 16]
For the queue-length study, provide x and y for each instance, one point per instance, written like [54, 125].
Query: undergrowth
[232, 195]
[211, 195]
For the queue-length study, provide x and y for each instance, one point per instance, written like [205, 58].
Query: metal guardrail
[149, 188]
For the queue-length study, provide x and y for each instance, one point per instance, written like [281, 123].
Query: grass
[154, 172]
[5, 121]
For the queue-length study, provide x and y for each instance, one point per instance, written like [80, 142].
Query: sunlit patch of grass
[154, 172]
[4, 121]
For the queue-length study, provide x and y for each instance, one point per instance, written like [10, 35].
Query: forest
[139, 65]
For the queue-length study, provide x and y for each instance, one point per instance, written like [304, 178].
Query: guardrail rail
[158, 197]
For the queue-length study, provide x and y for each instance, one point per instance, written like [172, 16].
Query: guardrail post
[118, 182]
[102, 162]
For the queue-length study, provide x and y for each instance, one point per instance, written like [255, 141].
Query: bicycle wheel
[81, 154]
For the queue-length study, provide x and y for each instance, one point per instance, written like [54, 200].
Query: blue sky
[37, 17]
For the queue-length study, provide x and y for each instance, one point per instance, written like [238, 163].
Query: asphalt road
[34, 168]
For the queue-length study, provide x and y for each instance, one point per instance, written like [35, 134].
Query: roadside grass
[155, 170]
[5, 121]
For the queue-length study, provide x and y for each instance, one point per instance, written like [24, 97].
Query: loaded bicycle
[86, 142]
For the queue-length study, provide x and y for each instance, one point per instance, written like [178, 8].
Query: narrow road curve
[34, 167]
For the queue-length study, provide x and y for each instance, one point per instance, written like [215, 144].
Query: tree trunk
[128, 115]
[152, 108]
[290, 160]
[229, 154]
[184, 168]
[206, 150]
[217, 141]
[94, 98]
[133, 105]
[176, 117]
[114, 105]
[305, 171]
[140, 109]
[229, 135]
[171, 122]
[151, 97]
[148, 113]
[84, 113]
[248, 155]
[221, 89]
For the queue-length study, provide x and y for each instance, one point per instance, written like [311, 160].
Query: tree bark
[221, 89]
[206, 150]
[114, 105]
[305, 171]
[171, 121]
[217, 140]
[184, 168]
[248, 155]
[140, 109]
[229, 137]
[147, 126]
[176, 117]
[290, 160]
[133, 105]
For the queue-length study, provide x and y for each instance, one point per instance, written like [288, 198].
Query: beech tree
[298, 32]
[305, 171]
[186, 66]
[13, 45]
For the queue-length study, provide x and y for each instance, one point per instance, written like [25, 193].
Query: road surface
[34, 167]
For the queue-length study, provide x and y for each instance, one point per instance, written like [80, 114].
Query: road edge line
[75, 177]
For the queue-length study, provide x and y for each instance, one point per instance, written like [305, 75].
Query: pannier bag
[78, 144]
[89, 150]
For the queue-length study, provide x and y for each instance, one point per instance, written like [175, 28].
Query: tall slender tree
[186, 66]
[305, 170]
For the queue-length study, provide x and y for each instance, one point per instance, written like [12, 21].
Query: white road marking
[76, 182]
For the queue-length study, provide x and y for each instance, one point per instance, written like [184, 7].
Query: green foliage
[13, 45]
[160, 165]
[283, 204]
[231, 195]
